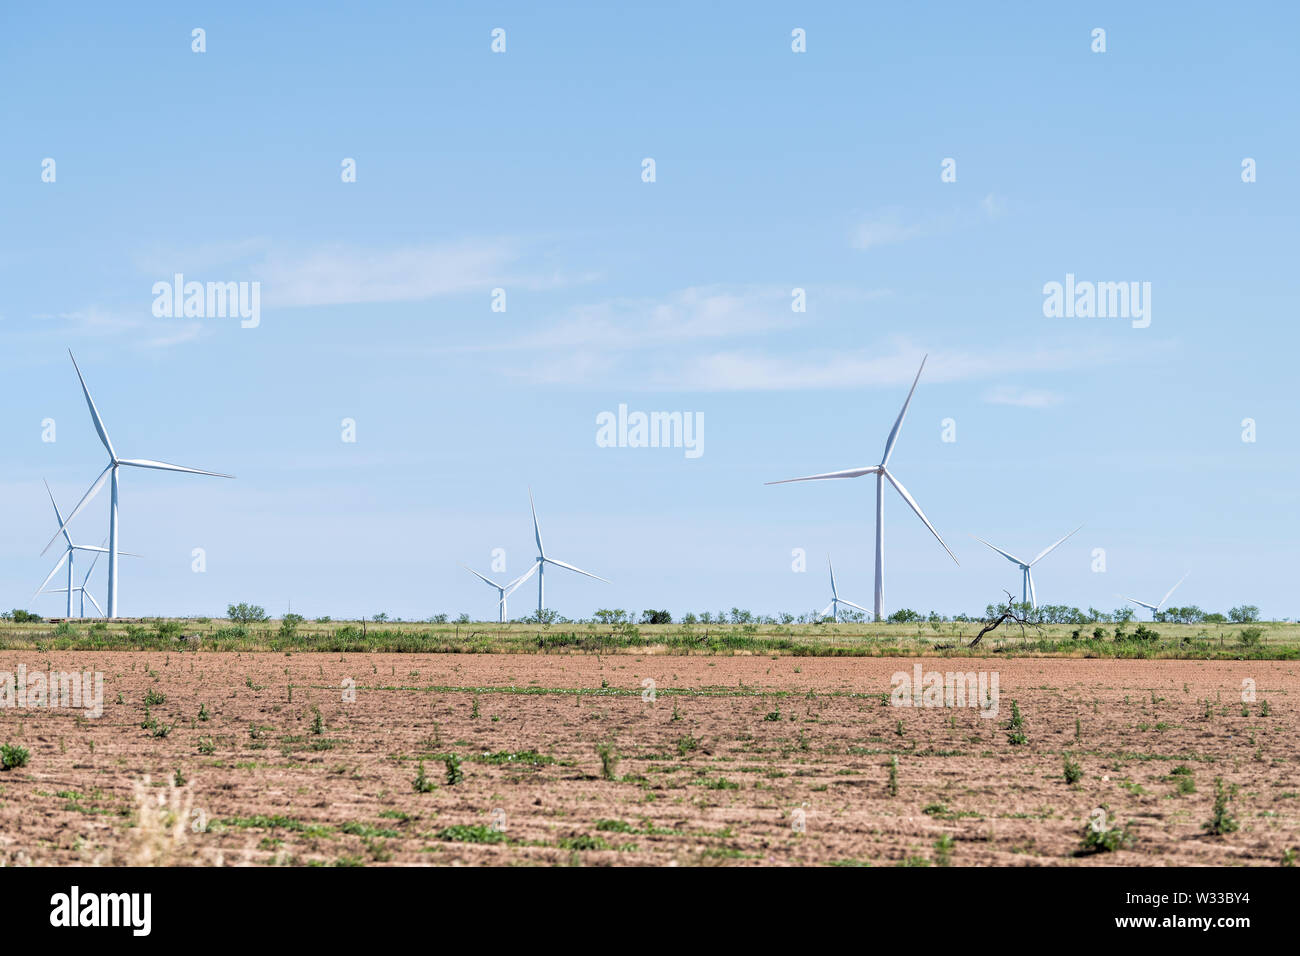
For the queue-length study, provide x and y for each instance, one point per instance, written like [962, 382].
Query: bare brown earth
[711, 772]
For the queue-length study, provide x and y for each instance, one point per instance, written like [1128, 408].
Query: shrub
[1073, 772]
[454, 774]
[246, 613]
[1222, 821]
[1105, 839]
[1250, 636]
[608, 760]
[422, 783]
[13, 755]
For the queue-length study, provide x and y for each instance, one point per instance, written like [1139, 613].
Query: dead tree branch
[1008, 613]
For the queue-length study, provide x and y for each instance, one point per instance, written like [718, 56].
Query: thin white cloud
[750, 370]
[1022, 397]
[884, 232]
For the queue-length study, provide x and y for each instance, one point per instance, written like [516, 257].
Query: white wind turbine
[503, 590]
[114, 464]
[543, 560]
[69, 558]
[834, 607]
[882, 475]
[83, 590]
[1027, 594]
[1155, 608]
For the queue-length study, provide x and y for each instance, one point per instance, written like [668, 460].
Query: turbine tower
[69, 555]
[1027, 594]
[1155, 608]
[834, 607]
[503, 590]
[543, 560]
[114, 464]
[882, 473]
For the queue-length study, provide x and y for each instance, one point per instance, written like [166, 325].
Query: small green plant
[203, 712]
[893, 775]
[608, 760]
[454, 774]
[474, 713]
[1015, 727]
[1183, 778]
[207, 746]
[1073, 772]
[13, 755]
[1288, 857]
[773, 715]
[943, 849]
[153, 698]
[318, 722]
[1222, 820]
[1264, 709]
[422, 783]
[1101, 837]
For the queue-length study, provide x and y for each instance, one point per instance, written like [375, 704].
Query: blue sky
[774, 170]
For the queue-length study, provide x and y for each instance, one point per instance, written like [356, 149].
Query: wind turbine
[833, 608]
[1155, 608]
[543, 560]
[83, 590]
[1027, 594]
[114, 463]
[69, 556]
[503, 590]
[882, 475]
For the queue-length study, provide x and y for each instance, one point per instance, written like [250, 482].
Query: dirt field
[713, 771]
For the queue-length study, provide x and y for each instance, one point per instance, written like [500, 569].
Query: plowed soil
[735, 761]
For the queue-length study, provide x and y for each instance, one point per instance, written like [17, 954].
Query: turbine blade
[1149, 607]
[579, 570]
[94, 490]
[50, 577]
[851, 604]
[94, 412]
[1044, 553]
[920, 514]
[1033, 595]
[91, 570]
[834, 593]
[827, 610]
[57, 515]
[487, 581]
[91, 598]
[847, 473]
[513, 585]
[537, 531]
[893, 433]
[1172, 590]
[1010, 557]
[164, 466]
